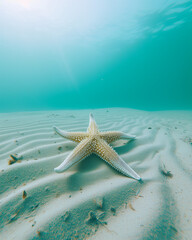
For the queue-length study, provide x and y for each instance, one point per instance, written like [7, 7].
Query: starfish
[96, 142]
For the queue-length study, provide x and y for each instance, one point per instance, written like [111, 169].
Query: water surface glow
[88, 54]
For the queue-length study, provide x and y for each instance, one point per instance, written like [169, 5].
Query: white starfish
[95, 142]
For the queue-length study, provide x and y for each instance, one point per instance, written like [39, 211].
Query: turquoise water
[93, 53]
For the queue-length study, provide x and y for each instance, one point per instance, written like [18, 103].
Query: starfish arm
[110, 137]
[92, 128]
[81, 151]
[73, 136]
[104, 151]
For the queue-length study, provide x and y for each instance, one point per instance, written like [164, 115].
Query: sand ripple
[91, 200]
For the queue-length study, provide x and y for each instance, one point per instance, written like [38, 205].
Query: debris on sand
[113, 210]
[39, 233]
[66, 216]
[14, 158]
[99, 201]
[59, 148]
[24, 194]
[13, 217]
[131, 207]
[164, 171]
[33, 224]
[95, 218]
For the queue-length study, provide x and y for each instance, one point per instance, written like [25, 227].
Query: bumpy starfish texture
[96, 142]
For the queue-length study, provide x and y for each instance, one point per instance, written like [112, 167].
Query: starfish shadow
[92, 162]
[126, 147]
[78, 179]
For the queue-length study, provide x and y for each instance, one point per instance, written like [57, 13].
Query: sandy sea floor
[91, 200]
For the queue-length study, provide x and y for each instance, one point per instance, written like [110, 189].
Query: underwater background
[95, 54]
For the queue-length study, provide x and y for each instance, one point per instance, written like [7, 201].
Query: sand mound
[91, 200]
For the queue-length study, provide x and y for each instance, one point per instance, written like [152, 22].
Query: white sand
[91, 200]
